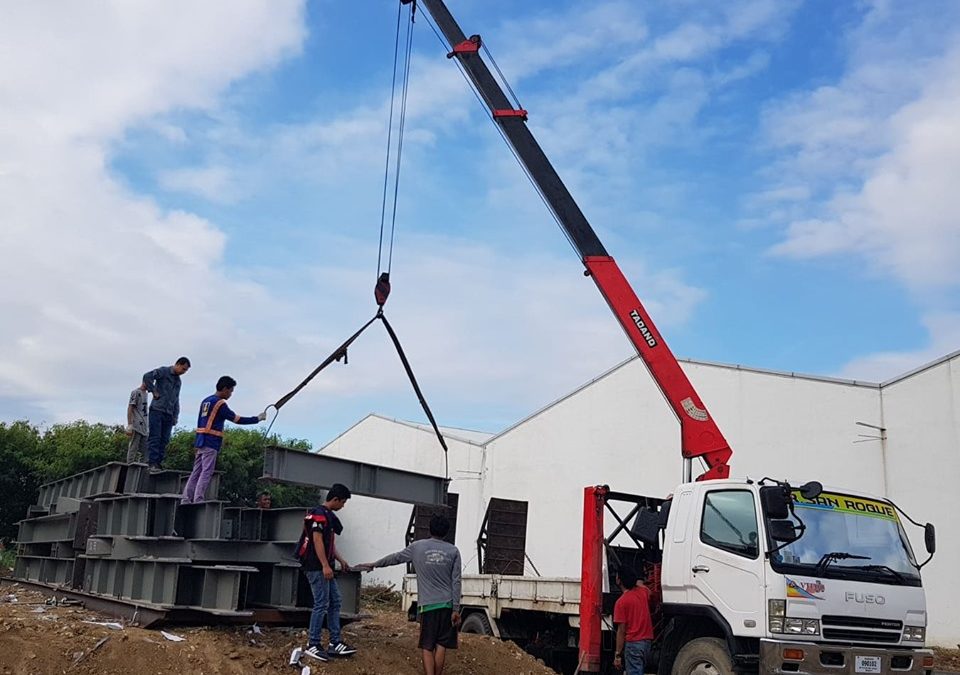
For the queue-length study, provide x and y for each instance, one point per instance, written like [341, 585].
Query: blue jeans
[161, 424]
[326, 603]
[635, 657]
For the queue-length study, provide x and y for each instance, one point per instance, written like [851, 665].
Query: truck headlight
[914, 634]
[794, 626]
[777, 607]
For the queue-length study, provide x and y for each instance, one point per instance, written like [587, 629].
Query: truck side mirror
[930, 538]
[811, 490]
[782, 530]
[776, 502]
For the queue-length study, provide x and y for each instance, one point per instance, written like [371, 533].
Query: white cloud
[214, 183]
[903, 217]
[98, 283]
[944, 329]
[866, 168]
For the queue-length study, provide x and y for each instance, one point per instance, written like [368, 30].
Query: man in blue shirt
[164, 384]
[214, 413]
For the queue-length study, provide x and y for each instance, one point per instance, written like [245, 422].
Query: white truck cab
[830, 585]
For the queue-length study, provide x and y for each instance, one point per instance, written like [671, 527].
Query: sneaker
[341, 649]
[313, 652]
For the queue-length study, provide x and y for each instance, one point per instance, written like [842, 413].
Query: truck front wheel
[476, 623]
[703, 656]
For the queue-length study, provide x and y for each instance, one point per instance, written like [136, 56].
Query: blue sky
[775, 177]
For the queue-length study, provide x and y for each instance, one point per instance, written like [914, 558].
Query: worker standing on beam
[164, 384]
[214, 413]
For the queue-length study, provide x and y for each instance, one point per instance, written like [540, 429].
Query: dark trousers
[161, 424]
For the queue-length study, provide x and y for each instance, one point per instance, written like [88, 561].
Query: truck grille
[861, 629]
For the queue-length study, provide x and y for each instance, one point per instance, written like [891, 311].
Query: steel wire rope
[400, 132]
[386, 167]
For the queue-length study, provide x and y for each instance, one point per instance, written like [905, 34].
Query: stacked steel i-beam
[119, 533]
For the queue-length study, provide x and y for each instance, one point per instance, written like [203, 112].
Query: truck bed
[496, 592]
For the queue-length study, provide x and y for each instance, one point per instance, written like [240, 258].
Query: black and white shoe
[314, 652]
[341, 649]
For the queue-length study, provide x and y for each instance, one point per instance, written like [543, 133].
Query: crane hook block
[382, 290]
[469, 46]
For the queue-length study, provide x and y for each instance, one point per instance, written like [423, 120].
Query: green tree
[19, 480]
[66, 449]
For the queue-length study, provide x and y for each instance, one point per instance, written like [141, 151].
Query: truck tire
[703, 656]
[476, 623]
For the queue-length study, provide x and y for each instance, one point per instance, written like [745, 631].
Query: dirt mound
[41, 639]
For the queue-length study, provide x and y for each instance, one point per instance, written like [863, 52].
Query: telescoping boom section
[699, 436]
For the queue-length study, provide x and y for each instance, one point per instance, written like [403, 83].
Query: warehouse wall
[922, 417]
[618, 430]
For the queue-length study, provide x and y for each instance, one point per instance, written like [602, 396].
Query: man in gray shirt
[437, 564]
[164, 384]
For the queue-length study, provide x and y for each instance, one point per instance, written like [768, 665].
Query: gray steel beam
[106, 479]
[285, 465]
[284, 525]
[55, 527]
[137, 515]
[199, 521]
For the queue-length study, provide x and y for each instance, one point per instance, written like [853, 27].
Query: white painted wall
[375, 527]
[618, 430]
[922, 416]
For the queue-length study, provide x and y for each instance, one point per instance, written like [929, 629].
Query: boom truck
[746, 576]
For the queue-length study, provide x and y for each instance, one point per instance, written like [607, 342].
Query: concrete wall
[922, 416]
[618, 430]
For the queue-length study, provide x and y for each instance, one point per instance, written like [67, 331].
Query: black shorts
[437, 629]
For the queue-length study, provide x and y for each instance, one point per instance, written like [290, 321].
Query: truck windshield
[860, 538]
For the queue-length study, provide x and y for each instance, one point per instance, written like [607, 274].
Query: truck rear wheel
[476, 623]
[703, 656]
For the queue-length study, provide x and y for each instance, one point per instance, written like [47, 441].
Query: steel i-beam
[285, 465]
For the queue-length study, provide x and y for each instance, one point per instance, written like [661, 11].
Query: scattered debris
[256, 629]
[8, 598]
[305, 671]
[172, 637]
[80, 656]
[112, 625]
[295, 656]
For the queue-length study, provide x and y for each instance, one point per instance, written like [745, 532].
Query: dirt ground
[40, 639]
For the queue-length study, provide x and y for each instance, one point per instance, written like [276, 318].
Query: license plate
[868, 664]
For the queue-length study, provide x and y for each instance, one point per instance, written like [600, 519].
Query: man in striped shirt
[214, 413]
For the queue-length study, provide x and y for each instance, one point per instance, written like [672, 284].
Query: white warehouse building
[899, 439]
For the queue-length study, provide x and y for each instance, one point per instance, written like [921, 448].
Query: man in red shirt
[634, 626]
